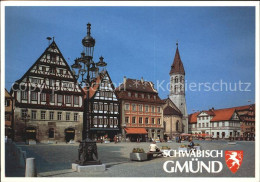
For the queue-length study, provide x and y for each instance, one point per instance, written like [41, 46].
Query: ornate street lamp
[81, 70]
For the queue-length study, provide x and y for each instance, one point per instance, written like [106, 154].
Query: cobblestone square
[54, 160]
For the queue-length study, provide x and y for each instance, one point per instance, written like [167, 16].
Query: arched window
[181, 79]
[181, 88]
[175, 89]
[177, 125]
[176, 79]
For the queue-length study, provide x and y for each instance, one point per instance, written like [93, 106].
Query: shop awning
[8, 123]
[135, 131]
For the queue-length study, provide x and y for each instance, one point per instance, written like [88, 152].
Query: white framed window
[51, 115]
[43, 97]
[101, 106]
[24, 113]
[105, 107]
[133, 107]
[153, 121]
[59, 115]
[159, 109]
[68, 99]
[60, 98]
[159, 121]
[33, 115]
[43, 115]
[34, 96]
[140, 108]
[76, 116]
[111, 107]
[127, 107]
[129, 94]
[24, 95]
[152, 108]
[115, 121]
[76, 100]
[146, 120]
[116, 108]
[140, 120]
[146, 108]
[126, 119]
[148, 96]
[52, 98]
[95, 106]
[133, 119]
[67, 116]
[136, 95]
[52, 82]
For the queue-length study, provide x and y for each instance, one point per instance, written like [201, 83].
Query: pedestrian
[115, 139]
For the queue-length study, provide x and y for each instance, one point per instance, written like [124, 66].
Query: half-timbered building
[49, 100]
[104, 108]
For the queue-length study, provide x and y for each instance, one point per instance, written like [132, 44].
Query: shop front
[136, 134]
[103, 134]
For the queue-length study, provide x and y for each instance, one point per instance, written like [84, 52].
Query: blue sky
[215, 43]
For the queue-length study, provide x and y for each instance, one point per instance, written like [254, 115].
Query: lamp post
[81, 70]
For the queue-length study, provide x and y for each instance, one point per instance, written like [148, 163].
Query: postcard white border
[131, 3]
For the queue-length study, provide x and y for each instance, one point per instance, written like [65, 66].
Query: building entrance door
[31, 133]
[69, 134]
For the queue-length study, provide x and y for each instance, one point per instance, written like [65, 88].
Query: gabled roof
[53, 45]
[177, 66]
[137, 85]
[140, 86]
[169, 111]
[7, 94]
[169, 102]
[221, 114]
[193, 117]
[96, 83]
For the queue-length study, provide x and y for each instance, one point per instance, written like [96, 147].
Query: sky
[216, 45]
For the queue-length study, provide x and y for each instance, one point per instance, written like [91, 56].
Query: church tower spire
[177, 92]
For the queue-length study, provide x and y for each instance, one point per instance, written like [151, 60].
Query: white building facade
[218, 124]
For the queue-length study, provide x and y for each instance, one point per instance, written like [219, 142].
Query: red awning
[8, 123]
[135, 130]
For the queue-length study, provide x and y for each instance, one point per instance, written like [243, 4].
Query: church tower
[177, 92]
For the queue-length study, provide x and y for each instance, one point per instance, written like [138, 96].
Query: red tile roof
[193, 117]
[137, 85]
[177, 66]
[135, 130]
[220, 114]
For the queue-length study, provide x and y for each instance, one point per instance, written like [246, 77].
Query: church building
[177, 88]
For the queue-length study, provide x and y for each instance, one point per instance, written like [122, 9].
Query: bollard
[30, 170]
